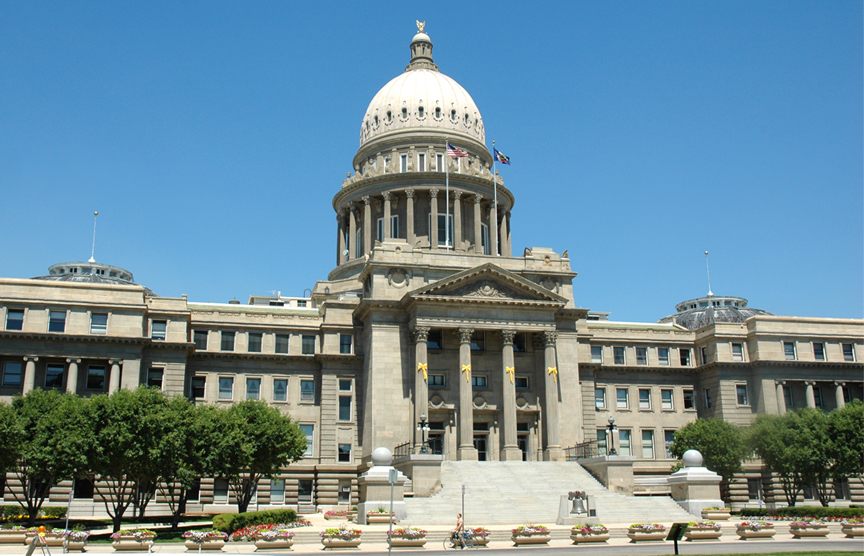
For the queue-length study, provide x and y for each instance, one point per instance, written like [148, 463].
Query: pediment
[486, 283]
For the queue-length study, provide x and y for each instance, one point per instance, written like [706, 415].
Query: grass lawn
[821, 553]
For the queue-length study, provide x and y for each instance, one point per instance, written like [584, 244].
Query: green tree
[775, 439]
[720, 443]
[54, 447]
[254, 442]
[846, 441]
[11, 438]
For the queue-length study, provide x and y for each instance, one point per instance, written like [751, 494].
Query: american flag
[454, 152]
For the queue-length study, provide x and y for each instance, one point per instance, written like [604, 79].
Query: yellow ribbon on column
[467, 370]
[554, 372]
[423, 367]
[510, 371]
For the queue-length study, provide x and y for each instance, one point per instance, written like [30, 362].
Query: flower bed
[133, 539]
[713, 512]
[76, 540]
[589, 533]
[702, 531]
[644, 532]
[341, 537]
[755, 529]
[205, 540]
[273, 539]
[339, 514]
[250, 533]
[531, 534]
[808, 529]
[379, 516]
[407, 537]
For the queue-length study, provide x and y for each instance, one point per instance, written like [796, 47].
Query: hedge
[15, 510]
[803, 511]
[229, 523]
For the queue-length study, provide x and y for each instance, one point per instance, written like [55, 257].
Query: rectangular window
[345, 384]
[280, 390]
[641, 356]
[200, 339]
[644, 398]
[519, 343]
[688, 400]
[787, 397]
[421, 162]
[344, 453]
[841, 489]
[703, 355]
[379, 229]
[57, 321]
[158, 330]
[666, 400]
[277, 491]
[309, 431]
[54, 376]
[308, 345]
[307, 390]
[819, 351]
[478, 341]
[95, 378]
[484, 239]
[253, 388]
[220, 491]
[437, 380]
[254, 342]
[197, 387]
[12, 371]
[668, 439]
[15, 319]
[403, 163]
[154, 377]
[358, 243]
[848, 352]
[623, 398]
[624, 442]
[789, 350]
[684, 356]
[281, 343]
[479, 381]
[601, 442]
[522, 383]
[647, 444]
[663, 356]
[817, 396]
[596, 354]
[707, 393]
[98, 323]
[618, 353]
[754, 489]
[226, 387]
[227, 341]
[737, 352]
[439, 162]
[394, 226]
[599, 398]
[741, 393]
[847, 395]
[344, 408]
[435, 339]
[442, 229]
[345, 343]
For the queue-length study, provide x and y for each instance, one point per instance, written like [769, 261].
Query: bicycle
[457, 540]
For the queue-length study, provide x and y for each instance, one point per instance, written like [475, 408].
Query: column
[367, 224]
[505, 248]
[781, 399]
[511, 451]
[433, 218]
[114, 381]
[352, 233]
[478, 231]
[340, 241]
[457, 220]
[387, 208]
[29, 374]
[466, 398]
[809, 396]
[409, 218]
[72, 375]
[421, 385]
[551, 408]
[838, 394]
[493, 236]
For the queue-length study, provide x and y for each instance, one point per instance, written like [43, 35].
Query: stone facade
[423, 321]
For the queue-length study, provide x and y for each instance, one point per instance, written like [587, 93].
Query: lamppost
[610, 437]
[423, 428]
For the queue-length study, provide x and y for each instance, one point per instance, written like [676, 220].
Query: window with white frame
[439, 162]
[666, 399]
[344, 453]
[14, 319]
[436, 380]
[442, 229]
[663, 356]
[403, 163]
[280, 389]
[645, 398]
[789, 351]
[848, 352]
[12, 373]
[741, 394]
[737, 352]
[197, 388]
[596, 354]
[668, 440]
[253, 388]
[484, 239]
[703, 355]
[254, 345]
[154, 377]
[277, 491]
[622, 396]
[522, 383]
[600, 398]
[624, 442]
[220, 491]
[281, 345]
[684, 356]
[421, 162]
[57, 321]
[98, 323]
[307, 390]
[394, 226]
[158, 330]
[345, 344]
[819, 351]
[647, 444]
[226, 387]
[618, 355]
[227, 341]
[707, 398]
[479, 381]
[308, 345]
[309, 431]
[641, 356]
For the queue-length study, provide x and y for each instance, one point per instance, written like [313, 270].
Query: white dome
[420, 92]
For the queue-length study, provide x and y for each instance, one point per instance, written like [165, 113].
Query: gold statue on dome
[421, 27]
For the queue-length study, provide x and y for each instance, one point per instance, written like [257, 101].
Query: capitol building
[430, 317]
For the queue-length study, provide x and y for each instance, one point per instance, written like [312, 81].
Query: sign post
[676, 533]
[392, 477]
[69, 509]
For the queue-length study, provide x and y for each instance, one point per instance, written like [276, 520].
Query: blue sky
[212, 136]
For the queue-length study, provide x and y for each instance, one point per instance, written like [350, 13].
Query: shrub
[803, 511]
[231, 522]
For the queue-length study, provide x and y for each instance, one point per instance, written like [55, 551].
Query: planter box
[77, 546]
[640, 536]
[715, 515]
[400, 542]
[131, 543]
[276, 544]
[346, 517]
[852, 530]
[8, 536]
[50, 539]
[531, 539]
[810, 531]
[207, 545]
[340, 543]
[702, 534]
[480, 541]
[379, 518]
[590, 537]
[764, 533]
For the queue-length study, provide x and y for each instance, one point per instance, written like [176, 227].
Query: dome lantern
[421, 50]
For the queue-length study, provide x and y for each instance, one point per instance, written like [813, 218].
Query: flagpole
[495, 189]
[446, 195]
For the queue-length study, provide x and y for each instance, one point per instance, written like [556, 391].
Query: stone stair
[500, 492]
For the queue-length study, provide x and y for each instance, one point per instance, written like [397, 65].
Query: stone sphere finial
[383, 456]
[691, 458]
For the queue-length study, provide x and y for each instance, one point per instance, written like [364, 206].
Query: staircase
[500, 492]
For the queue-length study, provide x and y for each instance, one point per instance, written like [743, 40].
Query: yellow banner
[554, 372]
[510, 371]
[467, 370]
[423, 367]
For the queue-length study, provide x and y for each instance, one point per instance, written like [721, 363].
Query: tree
[54, 447]
[11, 438]
[254, 442]
[775, 440]
[846, 441]
[720, 443]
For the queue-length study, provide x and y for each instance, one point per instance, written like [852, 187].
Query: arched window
[405, 113]
[420, 112]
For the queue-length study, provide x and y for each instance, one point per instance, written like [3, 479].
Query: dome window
[453, 115]
[376, 121]
[466, 120]
[405, 113]
[420, 112]
[438, 113]
[389, 116]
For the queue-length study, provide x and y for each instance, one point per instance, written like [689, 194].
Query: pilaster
[466, 398]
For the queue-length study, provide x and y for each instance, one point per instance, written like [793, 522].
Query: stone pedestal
[425, 472]
[567, 518]
[375, 488]
[615, 472]
[695, 487]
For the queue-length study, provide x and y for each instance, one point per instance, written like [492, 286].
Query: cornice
[92, 339]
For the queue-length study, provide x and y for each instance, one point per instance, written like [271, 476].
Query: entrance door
[480, 446]
[436, 443]
[522, 442]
